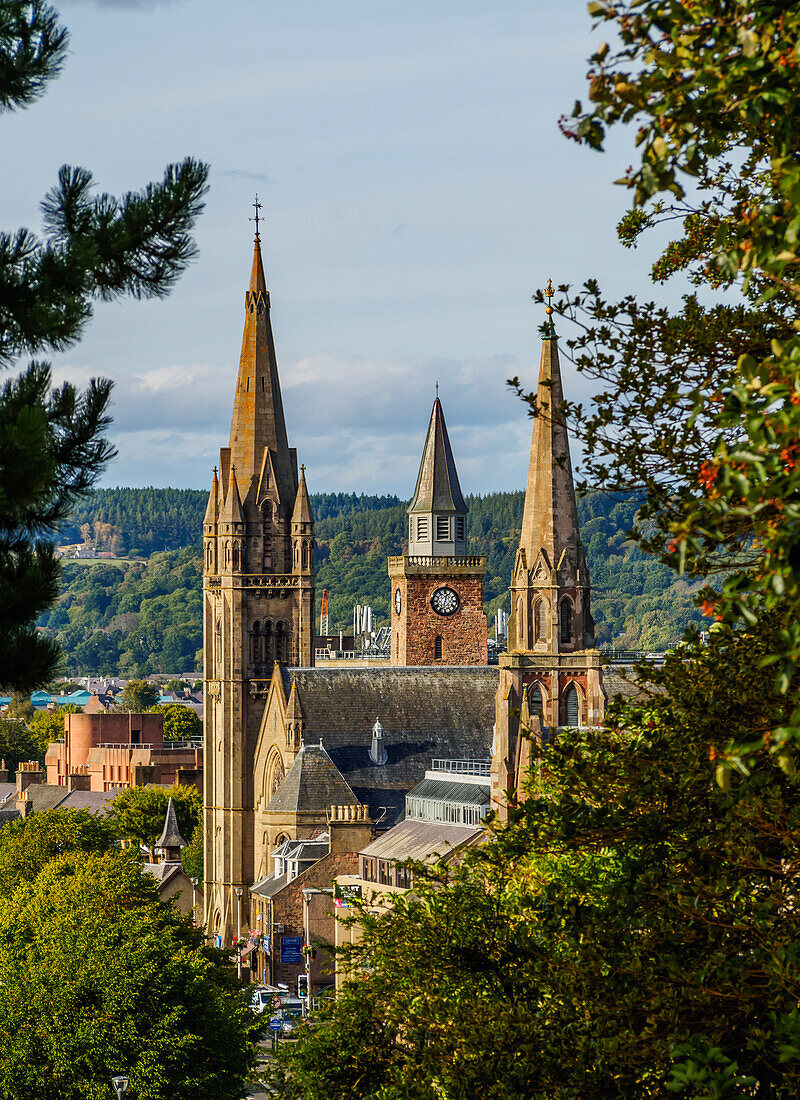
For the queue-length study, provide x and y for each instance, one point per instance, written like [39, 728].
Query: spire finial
[437, 391]
[549, 327]
[256, 206]
[216, 471]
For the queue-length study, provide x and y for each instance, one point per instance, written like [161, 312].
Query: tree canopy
[53, 444]
[98, 977]
[138, 813]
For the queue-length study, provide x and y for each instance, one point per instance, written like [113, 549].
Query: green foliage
[180, 723]
[98, 977]
[48, 725]
[192, 854]
[138, 813]
[52, 440]
[709, 86]
[630, 907]
[137, 696]
[27, 845]
[18, 742]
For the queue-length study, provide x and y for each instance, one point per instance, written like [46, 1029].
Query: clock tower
[436, 588]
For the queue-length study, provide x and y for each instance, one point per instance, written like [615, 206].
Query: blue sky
[416, 190]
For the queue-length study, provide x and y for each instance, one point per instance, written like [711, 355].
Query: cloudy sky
[416, 190]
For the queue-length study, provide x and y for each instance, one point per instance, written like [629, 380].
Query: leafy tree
[113, 981]
[48, 725]
[17, 742]
[52, 441]
[138, 813]
[633, 919]
[180, 723]
[192, 854]
[708, 85]
[27, 845]
[137, 697]
[20, 708]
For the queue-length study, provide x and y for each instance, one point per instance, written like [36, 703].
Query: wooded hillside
[137, 618]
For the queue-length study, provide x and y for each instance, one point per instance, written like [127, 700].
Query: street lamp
[120, 1085]
[239, 891]
[194, 881]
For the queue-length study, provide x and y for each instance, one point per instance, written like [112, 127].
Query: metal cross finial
[215, 471]
[257, 206]
[437, 391]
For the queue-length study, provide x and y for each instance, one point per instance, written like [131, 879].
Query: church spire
[258, 423]
[550, 517]
[437, 512]
[550, 586]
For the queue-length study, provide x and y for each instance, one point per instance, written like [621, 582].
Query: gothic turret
[437, 514]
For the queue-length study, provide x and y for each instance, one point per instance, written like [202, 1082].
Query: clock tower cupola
[437, 588]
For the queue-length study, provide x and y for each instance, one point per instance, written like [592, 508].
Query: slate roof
[425, 713]
[268, 887]
[45, 796]
[312, 783]
[621, 681]
[438, 489]
[7, 790]
[96, 802]
[420, 840]
[170, 834]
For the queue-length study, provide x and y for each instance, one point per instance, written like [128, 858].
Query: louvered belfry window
[572, 706]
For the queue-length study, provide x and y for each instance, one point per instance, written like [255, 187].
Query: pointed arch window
[257, 644]
[536, 701]
[437, 648]
[566, 618]
[268, 643]
[539, 630]
[280, 642]
[572, 706]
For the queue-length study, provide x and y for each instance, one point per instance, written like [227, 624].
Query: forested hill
[140, 617]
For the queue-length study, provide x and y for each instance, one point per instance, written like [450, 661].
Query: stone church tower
[436, 589]
[258, 600]
[551, 670]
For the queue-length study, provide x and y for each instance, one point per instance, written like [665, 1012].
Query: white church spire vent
[377, 752]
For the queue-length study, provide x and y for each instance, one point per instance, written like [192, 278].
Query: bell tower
[551, 670]
[258, 599]
[436, 588]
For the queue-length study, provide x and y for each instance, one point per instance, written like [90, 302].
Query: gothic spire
[437, 488]
[550, 517]
[437, 515]
[258, 423]
[171, 841]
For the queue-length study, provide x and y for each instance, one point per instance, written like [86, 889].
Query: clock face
[445, 601]
[398, 601]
